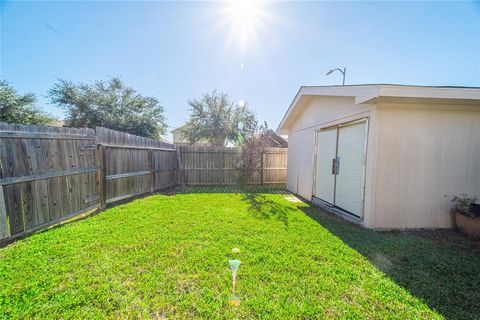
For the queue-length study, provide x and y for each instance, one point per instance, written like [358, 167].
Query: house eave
[335, 91]
[386, 93]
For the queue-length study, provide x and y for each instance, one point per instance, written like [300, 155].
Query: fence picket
[49, 174]
[217, 166]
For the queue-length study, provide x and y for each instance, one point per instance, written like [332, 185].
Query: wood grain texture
[50, 173]
[135, 165]
[117, 138]
[221, 166]
[46, 173]
[4, 229]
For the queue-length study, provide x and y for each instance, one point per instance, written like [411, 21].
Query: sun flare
[245, 19]
[244, 11]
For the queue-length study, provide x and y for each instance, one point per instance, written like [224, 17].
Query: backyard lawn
[166, 257]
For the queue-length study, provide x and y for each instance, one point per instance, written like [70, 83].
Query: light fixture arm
[344, 71]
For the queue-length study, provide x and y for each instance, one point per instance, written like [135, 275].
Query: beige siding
[416, 155]
[422, 156]
[180, 140]
[292, 172]
[299, 173]
[178, 137]
[423, 143]
[318, 112]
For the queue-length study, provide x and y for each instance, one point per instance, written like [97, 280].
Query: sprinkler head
[234, 301]
[234, 264]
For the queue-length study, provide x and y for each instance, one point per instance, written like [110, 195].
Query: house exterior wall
[423, 153]
[300, 163]
[423, 143]
[180, 140]
[177, 137]
[416, 155]
[317, 113]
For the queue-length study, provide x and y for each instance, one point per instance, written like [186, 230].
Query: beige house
[180, 140]
[384, 156]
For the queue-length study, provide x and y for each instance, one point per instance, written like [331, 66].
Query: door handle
[336, 165]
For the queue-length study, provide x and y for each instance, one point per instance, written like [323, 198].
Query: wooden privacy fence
[50, 174]
[133, 165]
[220, 166]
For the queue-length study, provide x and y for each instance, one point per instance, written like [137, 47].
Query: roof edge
[369, 93]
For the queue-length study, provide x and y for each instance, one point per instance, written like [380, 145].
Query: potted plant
[467, 214]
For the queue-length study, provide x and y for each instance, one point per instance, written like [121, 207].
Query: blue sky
[178, 50]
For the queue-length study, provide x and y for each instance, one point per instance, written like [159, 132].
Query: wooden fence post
[102, 186]
[222, 166]
[262, 169]
[150, 168]
[4, 228]
[180, 176]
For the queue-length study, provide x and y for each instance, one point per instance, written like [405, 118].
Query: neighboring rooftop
[180, 140]
[178, 128]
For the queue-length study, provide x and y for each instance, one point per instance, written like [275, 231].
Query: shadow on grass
[263, 208]
[274, 189]
[441, 267]
[259, 205]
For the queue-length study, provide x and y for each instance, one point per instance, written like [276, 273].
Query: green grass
[166, 257]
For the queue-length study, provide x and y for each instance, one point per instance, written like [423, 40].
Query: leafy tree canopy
[110, 104]
[18, 108]
[216, 119]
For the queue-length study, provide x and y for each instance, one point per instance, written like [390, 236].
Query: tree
[216, 119]
[110, 104]
[17, 108]
[250, 162]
